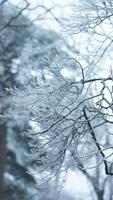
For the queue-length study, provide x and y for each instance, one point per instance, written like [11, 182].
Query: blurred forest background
[56, 100]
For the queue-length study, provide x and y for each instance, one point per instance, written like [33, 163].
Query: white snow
[77, 184]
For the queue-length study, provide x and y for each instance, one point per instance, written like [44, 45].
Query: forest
[56, 100]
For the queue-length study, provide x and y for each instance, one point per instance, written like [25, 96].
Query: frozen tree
[94, 21]
[23, 56]
[71, 106]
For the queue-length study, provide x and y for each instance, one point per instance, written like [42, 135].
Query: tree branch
[96, 142]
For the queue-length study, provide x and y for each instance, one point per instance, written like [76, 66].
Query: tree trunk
[100, 195]
[2, 160]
